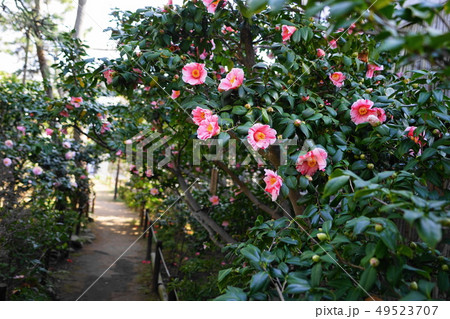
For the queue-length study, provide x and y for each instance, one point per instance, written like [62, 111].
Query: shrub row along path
[115, 228]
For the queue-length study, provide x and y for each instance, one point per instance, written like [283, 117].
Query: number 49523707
[406, 310]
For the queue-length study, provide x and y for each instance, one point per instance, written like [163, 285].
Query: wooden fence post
[3, 291]
[149, 243]
[141, 215]
[144, 225]
[157, 265]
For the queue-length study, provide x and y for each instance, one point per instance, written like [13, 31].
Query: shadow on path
[114, 229]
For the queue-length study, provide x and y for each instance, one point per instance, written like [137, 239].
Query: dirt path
[114, 231]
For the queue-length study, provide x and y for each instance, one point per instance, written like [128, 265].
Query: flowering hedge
[359, 209]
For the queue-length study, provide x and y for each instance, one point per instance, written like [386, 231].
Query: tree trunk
[80, 17]
[27, 49]
[43, 66]
[198, 213]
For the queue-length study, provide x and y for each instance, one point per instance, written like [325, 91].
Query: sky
[96, 19]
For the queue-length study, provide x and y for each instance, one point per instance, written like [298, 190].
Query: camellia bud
[305, 98]
[370, 166]
[444, 267]
[297, 122]
[374, 262]
[415, 85]
[270, 109]
[355, 54]
[436, 132]
[247, 106]
[322, 236]
[369, 90]
[379, 227]
[362, 156]
[176, 76]
[316, 258]
[413, 285]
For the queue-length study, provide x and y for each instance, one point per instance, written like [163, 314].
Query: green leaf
[223, 274]
[291, 182]
[414, 296]
[239, 110]
[251, 252]
[368, 278]
[259, 281]
[428, 153]
[429, 231]
[289, 130]
[297, 285]
[342, 8]
[316, 274]
[289, 240]
[423, 97]
[233, 294]
[335, 184]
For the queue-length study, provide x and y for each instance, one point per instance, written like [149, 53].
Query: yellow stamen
[195, 73]
[260, 136]
[311, 162]
[362, 111]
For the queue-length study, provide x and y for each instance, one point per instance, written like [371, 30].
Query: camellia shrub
[337, 146]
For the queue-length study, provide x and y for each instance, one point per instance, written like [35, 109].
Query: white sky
[96, 19]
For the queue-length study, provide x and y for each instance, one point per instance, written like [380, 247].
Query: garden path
[116, 228]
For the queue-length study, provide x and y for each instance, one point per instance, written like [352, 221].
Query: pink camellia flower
[48, 131]
[149, 173]
[194, 73]
[154, 191]
[361, 110]
[371, 68]
[305, 98]
[227, 29]
[170, 165]
[9, 143]
[225, 223]
[233, 80]
[333, 44]
[273, 183]
[119, 153]
[76, 101]
[66, 144]
[337, 78]
[21, 129]
[214, 200]
[7, 162]
[83, 177]
[287, 31]
[37, 170]
[211, 5]
[132, 167]
[312, 161]
[381, 115]
[261, 136]
[417, 139]
[208, 127]
[64, 131]
[320, 53]
[199, 115]
[128, 142]
[175, 94]
[69, 155]
[350, 28]
[64, 113]
[109, 75]
[204, 55]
